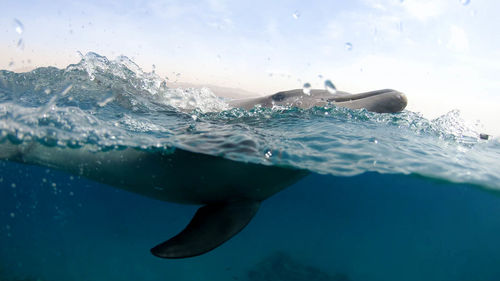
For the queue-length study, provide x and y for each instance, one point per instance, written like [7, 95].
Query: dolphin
[229, 191]
[380, 101]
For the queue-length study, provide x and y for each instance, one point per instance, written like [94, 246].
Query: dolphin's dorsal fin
[212, 225]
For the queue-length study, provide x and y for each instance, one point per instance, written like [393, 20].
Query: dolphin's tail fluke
[211, 226]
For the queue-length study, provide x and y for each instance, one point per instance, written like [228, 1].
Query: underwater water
[387, 197]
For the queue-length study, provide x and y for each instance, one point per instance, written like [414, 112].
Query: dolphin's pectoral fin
[211, 226]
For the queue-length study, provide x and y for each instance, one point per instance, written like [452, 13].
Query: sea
[386, 196]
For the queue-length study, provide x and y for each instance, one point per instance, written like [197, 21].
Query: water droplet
[18, 25]
[306, 89]
[348, 46]
[330, 87]
[465, 2]
[47, 91]
[194, 117]
[320, 76]
[11, 63]
[296, 15]
[20, 44]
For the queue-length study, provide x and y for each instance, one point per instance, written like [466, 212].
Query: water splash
[142, 88]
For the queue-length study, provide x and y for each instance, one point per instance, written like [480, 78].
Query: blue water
[388, 197]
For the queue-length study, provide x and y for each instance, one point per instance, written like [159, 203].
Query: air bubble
[330, 87]
[306, 89]
[348, 46]
[268, 154]
[66, 90]
[107, 100]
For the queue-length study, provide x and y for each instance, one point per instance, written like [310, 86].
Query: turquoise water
[388, 196]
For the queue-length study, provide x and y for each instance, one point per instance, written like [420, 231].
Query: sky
[443, 54]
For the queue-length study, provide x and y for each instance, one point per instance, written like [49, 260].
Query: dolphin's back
[381, 101]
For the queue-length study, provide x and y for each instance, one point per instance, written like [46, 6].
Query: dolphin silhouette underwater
[229, 191]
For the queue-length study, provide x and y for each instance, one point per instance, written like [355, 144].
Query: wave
[111, 104]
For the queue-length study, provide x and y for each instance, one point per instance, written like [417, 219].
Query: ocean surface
[387, 197]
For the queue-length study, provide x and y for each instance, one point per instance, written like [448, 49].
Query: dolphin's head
[390, 101]
[396, 101]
